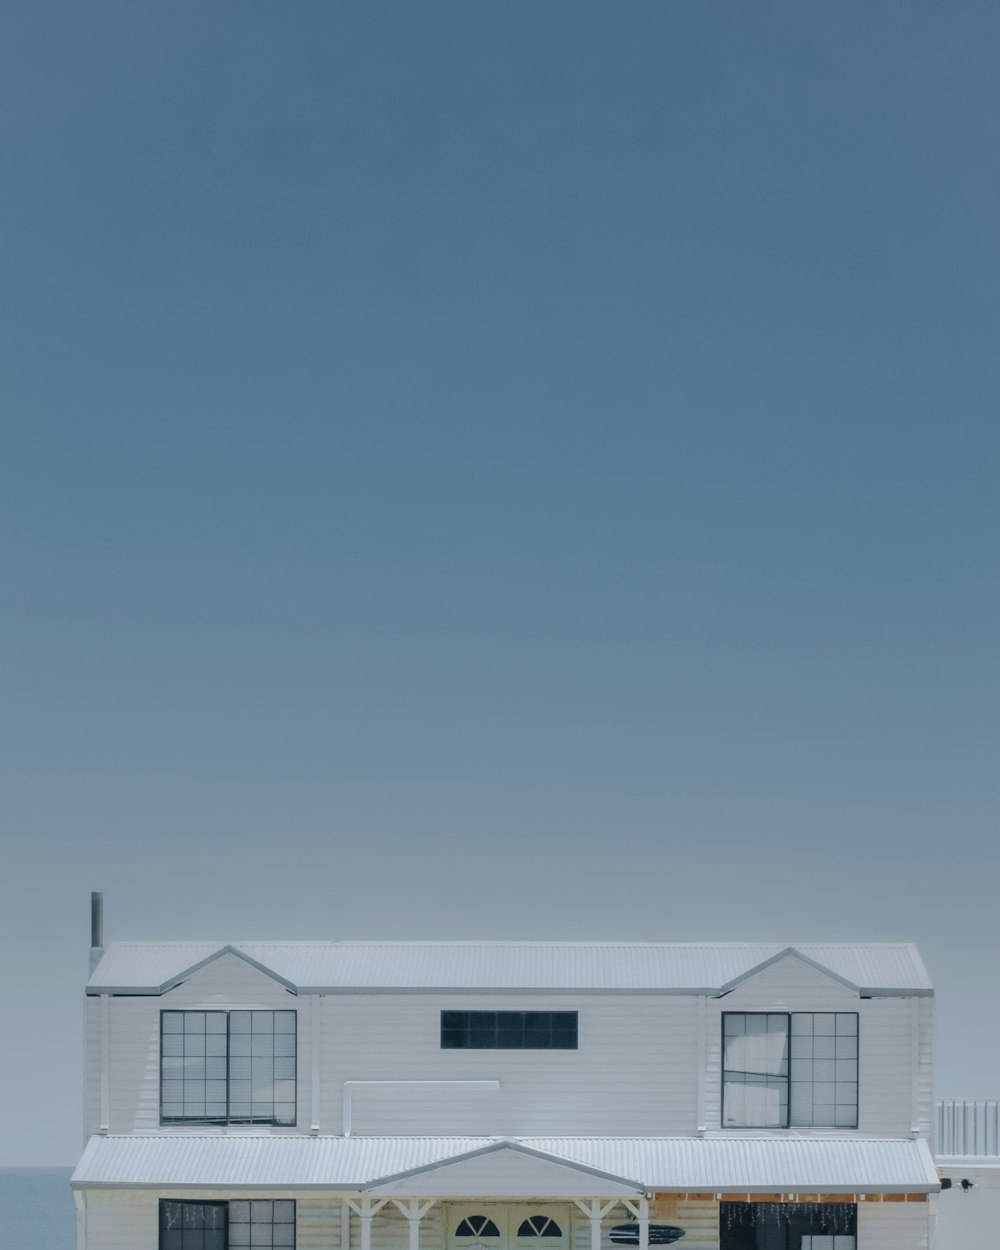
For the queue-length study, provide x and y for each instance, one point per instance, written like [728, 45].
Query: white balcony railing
[968, 1130]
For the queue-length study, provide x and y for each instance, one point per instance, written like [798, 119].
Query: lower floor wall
[968, 1210]
[110, 1219]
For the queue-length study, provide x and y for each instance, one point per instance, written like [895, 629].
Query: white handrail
[352, 1085]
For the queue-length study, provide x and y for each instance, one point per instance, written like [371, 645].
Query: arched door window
[477, 1226]
[539, 1226]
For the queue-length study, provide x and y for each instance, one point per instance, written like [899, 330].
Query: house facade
[506, 1096]
[967, 1152]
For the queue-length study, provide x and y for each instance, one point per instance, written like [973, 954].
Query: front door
[520, 1226]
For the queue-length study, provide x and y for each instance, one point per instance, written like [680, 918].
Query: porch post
[366, 1210]
[640, 1210]
[414, 1213]
[595, 1213]
[80, 1200]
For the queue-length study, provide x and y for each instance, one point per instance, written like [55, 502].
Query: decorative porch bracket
[640, 1210]
[366, 1209]
[595, 1212]
[414, 1212]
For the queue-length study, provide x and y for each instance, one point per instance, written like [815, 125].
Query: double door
[520, 1226]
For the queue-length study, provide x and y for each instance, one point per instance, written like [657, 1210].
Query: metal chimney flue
[96, 928]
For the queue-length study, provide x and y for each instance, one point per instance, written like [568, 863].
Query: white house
[483, 1095]
[967, 1149]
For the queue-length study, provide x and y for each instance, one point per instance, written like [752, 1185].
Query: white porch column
[80, 1199]
[640, 1210]
[105, 1047]
[595, 1213]
[366, 1210]
[414, 1212]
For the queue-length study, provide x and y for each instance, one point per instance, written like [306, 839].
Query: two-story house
[485, 1095]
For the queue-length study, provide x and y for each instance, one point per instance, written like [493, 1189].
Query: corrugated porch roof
[660, 1164]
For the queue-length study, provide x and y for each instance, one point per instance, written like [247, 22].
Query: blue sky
[498, 470]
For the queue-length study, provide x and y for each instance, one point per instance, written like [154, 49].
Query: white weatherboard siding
[893, 1226]
[885, 1095]
[618, 1116]
[504, 1174]
[124, 1220]
[134, 1041]
[636, 1071]
[632, 1074]
[121, 1220]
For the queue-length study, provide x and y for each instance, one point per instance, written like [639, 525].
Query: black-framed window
[193, 1225]
[508, 1030]
[265, 1223]
[788, 1225]
[790, 1069]
[228, 1067]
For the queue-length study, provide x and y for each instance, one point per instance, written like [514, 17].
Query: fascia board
[789, 951]
[496, 991]
[136, 991]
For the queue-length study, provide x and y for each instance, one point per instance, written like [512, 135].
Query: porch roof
[609, 1165]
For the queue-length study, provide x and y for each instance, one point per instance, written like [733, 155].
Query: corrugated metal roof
[738, 1164]
[748, 1163]
[230, 1159]
[152, 967]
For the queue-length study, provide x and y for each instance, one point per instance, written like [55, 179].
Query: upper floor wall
[645, 1063]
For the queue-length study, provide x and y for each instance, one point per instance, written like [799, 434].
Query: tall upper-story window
[797, 1069]
[227, 1067]
[508, 1030]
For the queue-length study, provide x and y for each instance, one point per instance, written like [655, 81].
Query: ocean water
[36, 1209]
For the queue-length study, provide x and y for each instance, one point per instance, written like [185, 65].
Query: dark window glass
[539, 1226]
[219, 1067]
[477, 1226]
[798, 1068]
[509, 1030]
[193, 1225]
[787, 1226]
[227, 1225]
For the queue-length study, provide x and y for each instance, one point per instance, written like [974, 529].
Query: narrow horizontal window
[509, 1030]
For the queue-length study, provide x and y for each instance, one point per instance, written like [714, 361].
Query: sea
[36, 1209]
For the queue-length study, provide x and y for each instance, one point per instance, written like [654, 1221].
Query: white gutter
[350, 1086]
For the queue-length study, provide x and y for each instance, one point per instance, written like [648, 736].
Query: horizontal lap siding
[317, 1223]
[123, 1220]
[92, 1066]
[893, 1226]
[698, 1217]
[884, 1070]
[632, 1074]
[925, 1119]
[134, 1041]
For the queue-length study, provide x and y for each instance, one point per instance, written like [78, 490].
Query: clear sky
[514, 469]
